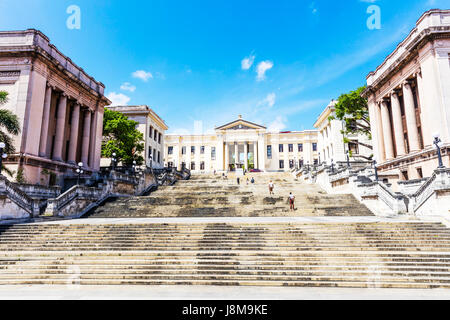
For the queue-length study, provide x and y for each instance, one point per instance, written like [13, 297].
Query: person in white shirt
[292, 202]
[271, 187]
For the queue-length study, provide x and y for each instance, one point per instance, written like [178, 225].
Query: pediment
[241, 125]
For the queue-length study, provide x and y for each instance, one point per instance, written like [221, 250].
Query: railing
[431, 186]
[56, 205]
[395, 201]
[17, 196]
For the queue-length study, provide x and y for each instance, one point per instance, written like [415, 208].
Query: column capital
[407, 82]
[65, 95]
[418, 72]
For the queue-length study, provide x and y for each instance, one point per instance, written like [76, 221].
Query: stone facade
[152, 127]
[60, 108]
[331, 140]
[257, 149]
[409, 100]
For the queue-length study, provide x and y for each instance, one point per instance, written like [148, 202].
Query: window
[291, 148]
[170, 164]
[183, 165]
[300, 147]
[269, 152]
[314, 145]
[159, 138]
[192, 150]
[353, 146]
[159, 156]
[183, 150]
[281, 164]
[291, 164]
[150, 134]
[213, 153]
[192, 165]
[154, 154]
[420, 173]
[202, 150]
[301, 163]
[170, 151]
[149, 152]
[202, 165]
[405, 175]
[316, 162]
[156, 135]
[281, 148]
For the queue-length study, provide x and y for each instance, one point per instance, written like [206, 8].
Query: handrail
[428, 188]
[17, 196]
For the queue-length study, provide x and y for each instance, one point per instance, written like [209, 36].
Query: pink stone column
[387, 131]
[398, 124]
[381, 149]
[86, 138]
[411, 122]
[74, 134]
[45, 122]
[60, 128]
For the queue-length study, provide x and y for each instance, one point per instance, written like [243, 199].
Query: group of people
[291, 198]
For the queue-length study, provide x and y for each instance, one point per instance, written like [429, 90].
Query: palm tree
[9, 125]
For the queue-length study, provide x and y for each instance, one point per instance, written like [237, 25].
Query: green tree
[120, 136]
[353, 110]
[9, 125]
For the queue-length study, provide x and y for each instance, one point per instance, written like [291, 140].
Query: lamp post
[348, 158]
[113, 161]
[79, 172]
[376, 170]
[332, 166]
[2, 155]
[133, 168]
[438, 143]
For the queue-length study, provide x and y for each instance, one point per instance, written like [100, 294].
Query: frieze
[9, 74]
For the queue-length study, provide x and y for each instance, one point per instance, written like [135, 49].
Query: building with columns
[242, 145]
[59, 106]
[331, 139]
[409, 100]
[152, 127]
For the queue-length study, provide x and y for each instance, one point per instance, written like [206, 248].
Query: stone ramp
[211, 196]
[366, 255]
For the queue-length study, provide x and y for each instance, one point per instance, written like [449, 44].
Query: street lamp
[332, 166]
[376, 170]
[80, 172]
[3, 155]
[133, 168]
[438, 143]
[348, 158]
[113, 161]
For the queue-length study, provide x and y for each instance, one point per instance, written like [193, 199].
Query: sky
[202, 63]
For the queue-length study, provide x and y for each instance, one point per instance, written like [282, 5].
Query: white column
[219, 155]
[262, 152]
[60, 126]
[387, 131]
[246, 155]
[398, 124]
[45, 122]
[86, 138]
[74, 134]
[236, 154]
[255, 155]
[382, 154]
[227, 157]
[411, 122]
[93, 139]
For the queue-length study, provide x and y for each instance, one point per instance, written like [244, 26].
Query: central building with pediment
[242, 145]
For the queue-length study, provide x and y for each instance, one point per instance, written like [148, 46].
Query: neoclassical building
[331, 139]
[59, 106]
[152, 127]
[409, 100]
[242, 145]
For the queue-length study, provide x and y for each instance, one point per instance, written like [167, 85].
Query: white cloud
[279, 124]
[247, 63]
[128, 87]
[262, 68]
[269, 101]
[143, 75]
[118, 99]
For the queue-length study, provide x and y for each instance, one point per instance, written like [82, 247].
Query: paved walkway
[213, 293]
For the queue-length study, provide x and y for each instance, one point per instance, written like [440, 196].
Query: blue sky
[277, 63]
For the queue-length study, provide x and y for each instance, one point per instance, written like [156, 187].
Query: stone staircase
[365, 255]
[211, 196]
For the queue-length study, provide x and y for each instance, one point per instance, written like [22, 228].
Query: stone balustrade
[16, 204]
